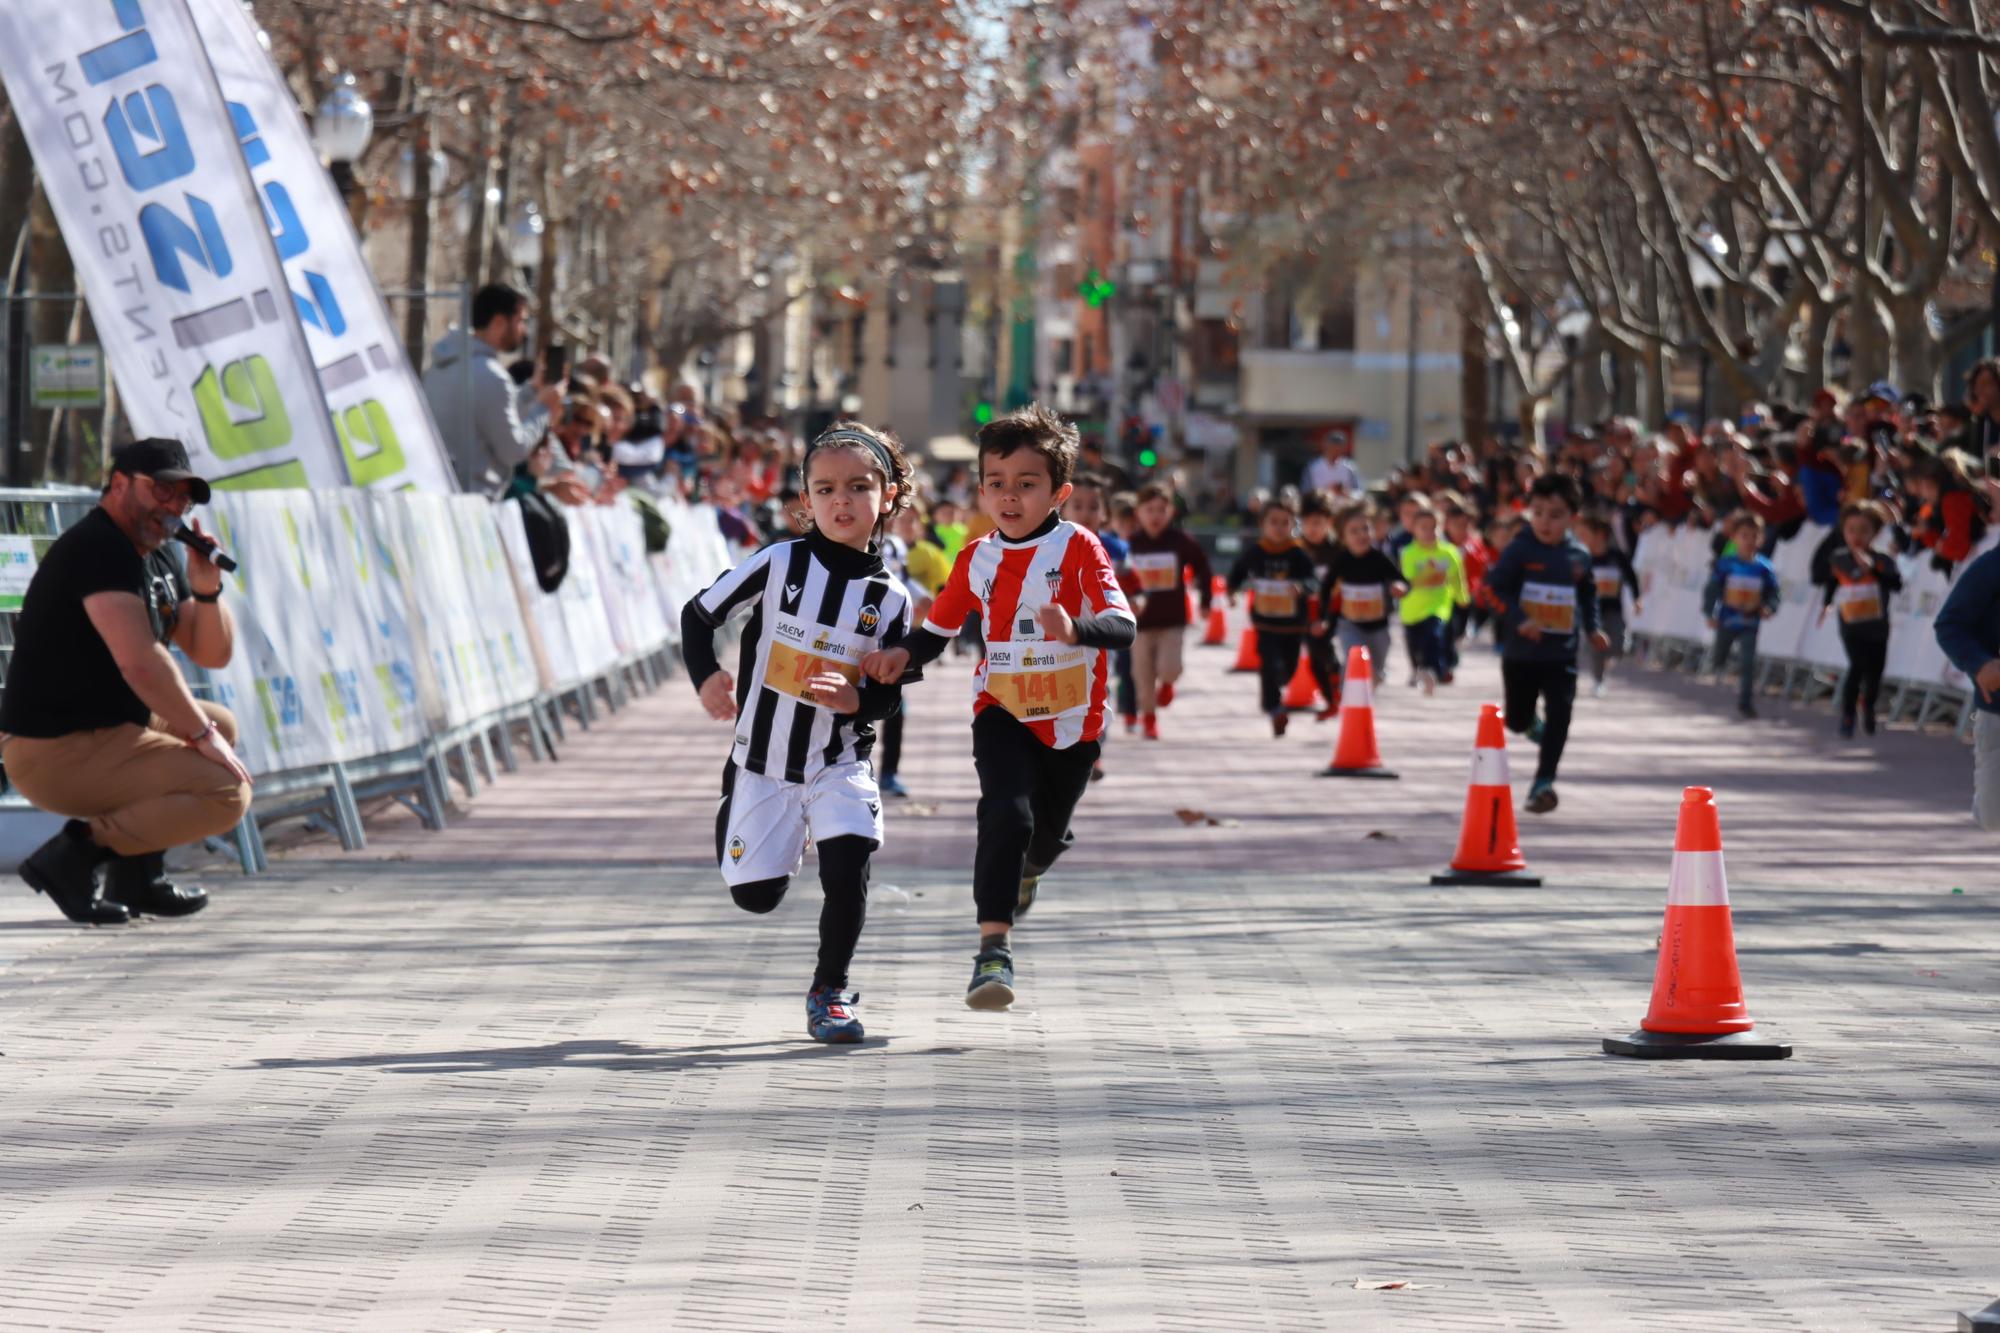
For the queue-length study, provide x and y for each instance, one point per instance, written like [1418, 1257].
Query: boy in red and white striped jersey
[1050, 605]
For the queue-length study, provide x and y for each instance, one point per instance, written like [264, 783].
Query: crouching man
[98, 723]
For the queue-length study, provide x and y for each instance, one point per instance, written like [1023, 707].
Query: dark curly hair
[900, 472]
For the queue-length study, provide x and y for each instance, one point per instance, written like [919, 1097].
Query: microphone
[187, 536]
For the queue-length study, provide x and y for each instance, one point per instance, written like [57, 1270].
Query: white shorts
[766, 820]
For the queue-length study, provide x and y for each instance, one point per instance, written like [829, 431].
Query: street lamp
[524, 238]
[341, 132]
[1570, 328]
[1707, 284]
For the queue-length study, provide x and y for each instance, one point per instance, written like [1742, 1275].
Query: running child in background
[1050, 604]
[1542, 583]
[805, 718]
[1863, 579]
[910, 553]
[1279, 575]
[1461, 529]
[1405, 530]
[1318, 540]
[1437, 585]
[1361, 585]
[1162, 556]
[1742, 593]
[1612, 573]
[1125, 526]
[1089, 508]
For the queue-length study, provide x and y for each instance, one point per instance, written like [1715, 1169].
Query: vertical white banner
[140, 159]
[380, 415]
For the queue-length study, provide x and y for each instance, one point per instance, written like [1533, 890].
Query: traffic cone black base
[1696, 1046]
[1386, 773]
[1498, 879]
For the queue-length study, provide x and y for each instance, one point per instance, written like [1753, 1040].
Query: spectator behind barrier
[98, 723]
[488, 423]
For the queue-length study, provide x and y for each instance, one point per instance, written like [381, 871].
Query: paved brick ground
[535, 1072]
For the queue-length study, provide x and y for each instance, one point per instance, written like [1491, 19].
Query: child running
[1863, 579]
[805, 718]
[1742, 593]
[1124, 526]
[1362, 582]
[1050, 604]
[1280, 578]
[1162, 555]
[1612, 573]
[1541, 583]
[1436, 577]
[1316, 539]
[1089, 507]
[1461, 531]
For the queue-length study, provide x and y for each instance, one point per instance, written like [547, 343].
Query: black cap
[162, 460]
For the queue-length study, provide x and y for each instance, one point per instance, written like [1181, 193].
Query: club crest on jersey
[1055, 582]
[736, 849]
[871, 616]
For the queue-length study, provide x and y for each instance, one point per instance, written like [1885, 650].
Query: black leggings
[1867, 657]
[1325, 666]
[1027, 793]
[1554, 683]
[890, 757]
[1277, 659]
[843, 877]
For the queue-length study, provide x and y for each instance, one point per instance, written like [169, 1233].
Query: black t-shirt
[63, 678]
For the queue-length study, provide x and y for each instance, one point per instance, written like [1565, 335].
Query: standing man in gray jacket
[488, 422]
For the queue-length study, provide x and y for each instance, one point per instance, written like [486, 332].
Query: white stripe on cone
[1489, 768]
[1696, 881]
[1358, 693]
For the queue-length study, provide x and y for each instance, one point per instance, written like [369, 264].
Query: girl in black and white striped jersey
[805, 716]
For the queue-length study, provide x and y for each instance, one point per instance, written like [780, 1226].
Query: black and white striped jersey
[815, 606]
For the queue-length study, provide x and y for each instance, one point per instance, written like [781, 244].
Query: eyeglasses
[170, 497]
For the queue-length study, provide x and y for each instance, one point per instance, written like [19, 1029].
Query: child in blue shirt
[1543, 591]
[1742, 594]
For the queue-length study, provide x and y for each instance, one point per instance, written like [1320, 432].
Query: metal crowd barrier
[328, 797]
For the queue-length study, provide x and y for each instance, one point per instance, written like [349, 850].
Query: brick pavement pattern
[537, 1072]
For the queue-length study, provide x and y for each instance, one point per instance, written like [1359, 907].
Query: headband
[875, 447]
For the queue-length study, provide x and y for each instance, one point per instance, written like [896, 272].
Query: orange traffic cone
[1247, 658]
[1187, 591]
[1355, 755]
[1697, 1011]
[1489, 851]
[1218, 617]
[1302, 690]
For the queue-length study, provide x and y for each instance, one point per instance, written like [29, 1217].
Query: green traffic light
[1148, 458]
[983, 413]
[1096, 289]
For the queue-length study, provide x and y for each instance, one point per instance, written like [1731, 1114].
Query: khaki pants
[1156, 661]
[142, 789]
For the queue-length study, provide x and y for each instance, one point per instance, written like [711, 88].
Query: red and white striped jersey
[1057, 689]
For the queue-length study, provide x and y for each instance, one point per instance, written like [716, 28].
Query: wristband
[209, 598]
[203, 734]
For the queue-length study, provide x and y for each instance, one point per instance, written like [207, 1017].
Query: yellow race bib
[1274, 599]
[1550, 605]
[1156, 571]
[1038, 680]
[800, 651]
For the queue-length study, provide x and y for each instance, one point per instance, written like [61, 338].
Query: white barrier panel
[1673, 567]
[369, 621]
[696, 554]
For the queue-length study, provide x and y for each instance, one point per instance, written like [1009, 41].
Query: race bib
[1156, 571]
[1432, 574]
[1609, 582]
[1743, 592]
[1550, 605]
[1274, 599]
[1362, 602]
[799, 651]
[1858, 602]
[1038, 680]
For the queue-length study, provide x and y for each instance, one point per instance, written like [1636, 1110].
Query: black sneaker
[1746, 710]
[992, 980]
[1541, 798]
[1031, 883]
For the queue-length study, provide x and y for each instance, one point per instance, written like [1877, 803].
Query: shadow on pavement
[617, 1056]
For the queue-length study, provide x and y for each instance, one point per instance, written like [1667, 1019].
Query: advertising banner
[140, 158]
[383, 422]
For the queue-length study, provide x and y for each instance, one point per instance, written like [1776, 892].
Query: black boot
[65, 868]
[140, 882]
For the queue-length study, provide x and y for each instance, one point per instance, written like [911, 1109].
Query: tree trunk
[17, 187]
[1533, 413]
[1475, 406]
[1913, 351]
[1819, 343]
[1652, 377]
